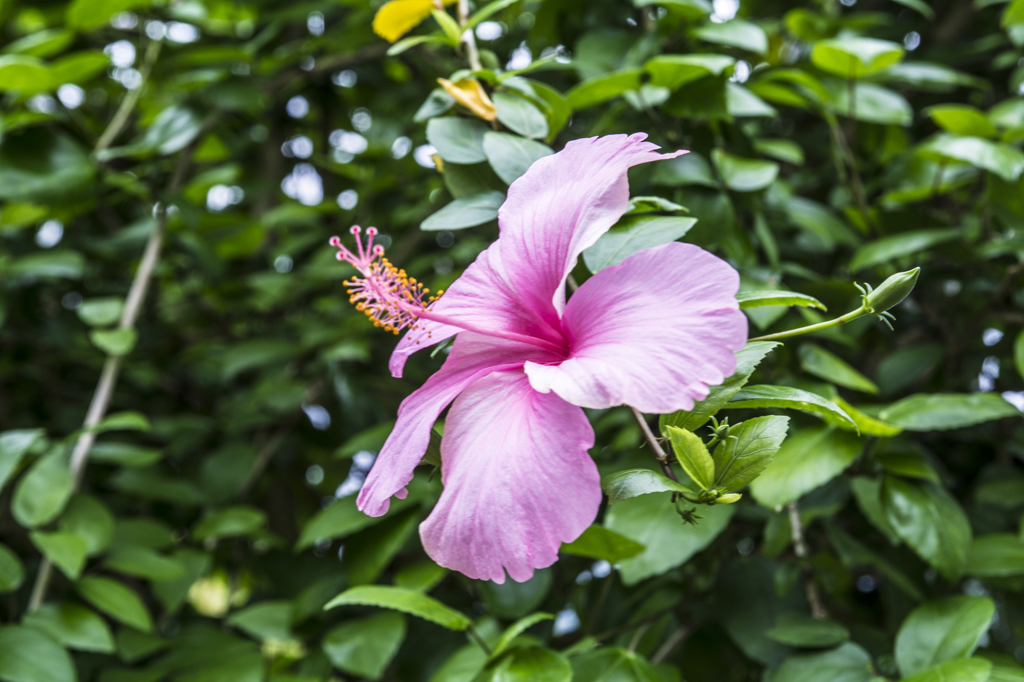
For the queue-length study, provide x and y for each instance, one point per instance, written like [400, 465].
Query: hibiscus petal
[483, 297]
[561, 206]
[473, 356]
[652, 332]
[518, 481]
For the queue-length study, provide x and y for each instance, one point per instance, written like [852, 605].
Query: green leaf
[129, 420]
[792, 399]
[1001, 159]
[693, 456]
[54, 264]
[855, 57]
[633, 234]
[1013, 14]
[143, 562]
[79, 67]
[556, 106]
[100, 312]
[996, 556]
[635, 482]
[116, 600]
[819, 221]
[515, 600]
[961, 119]
[780, 150]
[847, 663]
[868, 493]
[400, 599]
[369, 552]
[422, 576]
[735, 33]
[530, 664]
[73, 626]
[900, 245]
[457, 139]
[747, 360]
[748, 450]
[943, 411]
[265, 620]
[365, 647]
[231, 522]
[41, 43]
[25, 75]
[124, 454]
[28, 655]
[930, 521]
[908, 463]
[830, 367]
[13, 447]
[12, 573]
[85, 15]
[854, 555]
[942, 631]
[808, 459]
[675, 70]
[963, 670]
[114, 341]
[804, 631]
[43, 167]
[744, 175]
[612, 664]
[919, 6]
[872, 103]
[342, 519]
[468, 211]
[652, 521]
[42, 492]
[448, 25]
[510, 155]
[685, 170]
[520, 116]
[597, 542]
[463, 666]
[66, 550]
[758, 299]
[518, 628]
[1018, 360]
[603, 88]
[487, 11]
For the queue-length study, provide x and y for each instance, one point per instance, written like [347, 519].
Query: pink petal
[652, 332]
[561, 206]
[482, 296]
[473, 356]
[517, 480]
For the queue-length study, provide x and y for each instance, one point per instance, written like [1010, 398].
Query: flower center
[395, 301]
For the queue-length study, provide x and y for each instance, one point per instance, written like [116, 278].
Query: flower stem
[842, 319]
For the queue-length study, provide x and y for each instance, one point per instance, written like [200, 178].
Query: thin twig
[671, 643]
[596, 610]
[468, 39]
[262, 460]
[128, 103]
[800, 547]
[652, 440]
[637, 636]
[478, 639]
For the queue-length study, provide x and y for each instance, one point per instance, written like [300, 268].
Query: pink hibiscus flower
[653, 332]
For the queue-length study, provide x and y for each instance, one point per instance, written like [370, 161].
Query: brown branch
[652, 440]
[800, 547]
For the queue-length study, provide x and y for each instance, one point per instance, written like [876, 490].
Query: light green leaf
[996, 556]
[53, 264]
[457, 139]
[942, 631]
[735, 33]
[961, 119]
[633, 234]
[422, 576]
[1018, 360]
[931, 521]
[685, 170]
[847, 663]
[676, 70]
[757, 299]
[129, 420]
[13, 447]
[116, 600]
[528, 664]
[124, 454]
[400, 599]
[1001, 159]
[613, 664]
[66, 550]
[1013, 14]
[781, 150]
[12, 573]
[265, 620]
[114, 341]
[962, 670]
[943, 411]
[855, 57]
[488, 11]
[100, 312]
[519, 627]
[89, 519]
[42, 166]
[743, 456]
[469, 211]
[792, 399]
[510, 155]
[342, 519]
[603, 88]
[830, 367]
[143, 562]
[808, 459]
[747, 360]
[42, 493]
[744, 175]
[520, 116]
[42, 44]
[900, 245]
[635, 482]
[365, 647]
[597, 542]
[872, 103]
[28, 655]
[74, 626]
[804, 631]
[25, 75]
[85, 15]
[693, 456]
[78, 67]
[231, 522]
[652, 521]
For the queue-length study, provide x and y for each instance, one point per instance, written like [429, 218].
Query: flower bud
[892, 291]
[728, 498]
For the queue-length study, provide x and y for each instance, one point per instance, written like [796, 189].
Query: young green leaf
[635, 482]
[404, 600]
[693, 456]
[830, 367]
[757, 299]
[747, 451]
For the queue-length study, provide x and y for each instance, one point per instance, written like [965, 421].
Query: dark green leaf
[943, 411]
[744, 175]
[365, 647]
[928, 519]
[613, 664]
[28, 655]
[530, 664]
[42, 493]
[636, 482]
[757, 299]
[597, 542]
[466, 212]
[603, 88]
[633, 234]
[404, 600]
[518, 628]
[942, 631]
[12, 573]
[808, 459]
[230, 522]
[996, 556]
[75, 627]
[13, 447]
[790, 398]
[900, 245]
[830, 367]
[66, 550]
[116, 600]
[804, 631]
[143, 562]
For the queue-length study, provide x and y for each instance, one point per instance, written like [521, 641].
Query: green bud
[728, 498]
[892, 291]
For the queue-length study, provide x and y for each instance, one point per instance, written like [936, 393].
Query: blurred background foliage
[170, 172]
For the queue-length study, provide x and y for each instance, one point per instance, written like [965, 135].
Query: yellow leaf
[469, 93]
[398, 17]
